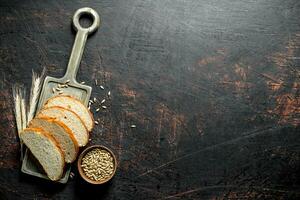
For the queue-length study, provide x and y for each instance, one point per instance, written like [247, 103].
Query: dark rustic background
[212, 87]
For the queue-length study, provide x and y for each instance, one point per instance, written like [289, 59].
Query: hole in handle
[91, 14]
[86, 20]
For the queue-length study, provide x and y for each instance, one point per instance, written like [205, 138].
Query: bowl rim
[80, 170]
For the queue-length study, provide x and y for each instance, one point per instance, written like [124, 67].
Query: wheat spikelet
[23, 112]
[17, 107]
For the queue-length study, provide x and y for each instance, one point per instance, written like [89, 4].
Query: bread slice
[44, 148]
[75, 105]
[70, 119]
[61, 133]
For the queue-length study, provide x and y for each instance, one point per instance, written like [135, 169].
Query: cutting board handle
[80, 40]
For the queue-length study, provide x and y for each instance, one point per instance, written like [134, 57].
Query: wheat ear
[20, 112]
[35, 90]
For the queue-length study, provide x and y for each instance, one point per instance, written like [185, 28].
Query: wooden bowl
[81, 172]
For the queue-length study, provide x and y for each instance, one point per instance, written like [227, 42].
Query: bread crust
[60, 107]
[74, 99]
[67, 129]
[52, 139]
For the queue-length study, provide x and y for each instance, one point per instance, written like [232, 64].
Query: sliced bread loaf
[44, 148]
[75, 105]
[70, 119]
[62, 134]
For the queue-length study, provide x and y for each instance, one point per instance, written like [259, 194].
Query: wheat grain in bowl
[97, 164]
